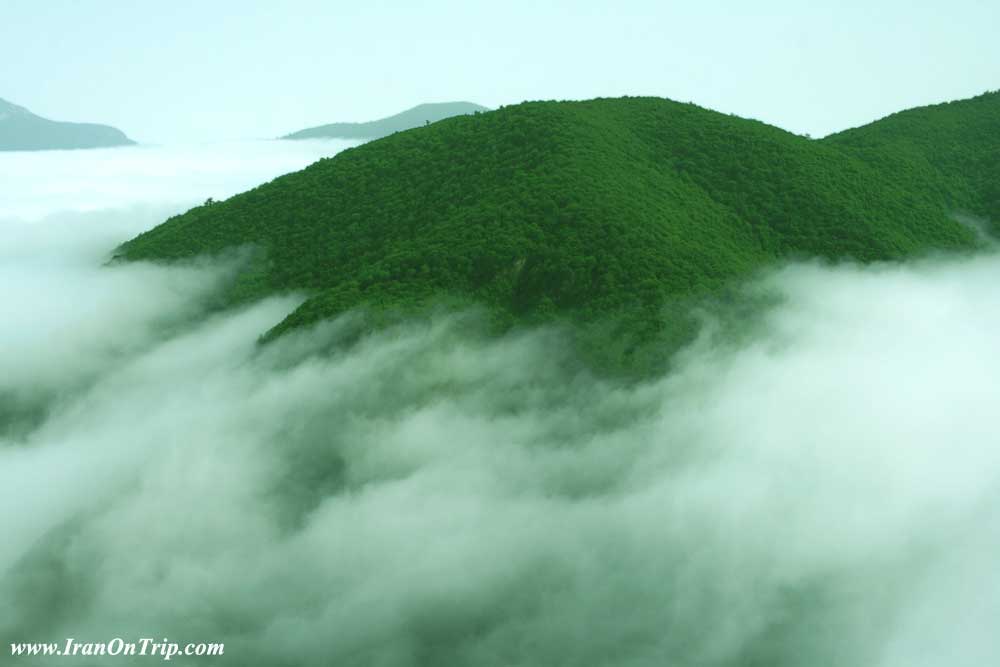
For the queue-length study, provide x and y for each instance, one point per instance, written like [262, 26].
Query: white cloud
[35, 184]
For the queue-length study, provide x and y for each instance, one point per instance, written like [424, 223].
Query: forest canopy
[595, 210]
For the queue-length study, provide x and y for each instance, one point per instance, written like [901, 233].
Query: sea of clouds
[824, 492]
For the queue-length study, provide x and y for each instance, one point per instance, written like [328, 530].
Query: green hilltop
[405, 120]
[21, 130]
[608, 210]
[959, 142]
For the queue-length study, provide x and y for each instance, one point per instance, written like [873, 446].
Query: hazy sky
[169, 70]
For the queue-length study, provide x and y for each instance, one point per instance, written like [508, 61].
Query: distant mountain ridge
[21, 130]
[406, 120]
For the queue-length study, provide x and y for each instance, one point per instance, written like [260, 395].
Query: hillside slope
[21, 130]
[416, 117]
[589, 210]
[959, 141]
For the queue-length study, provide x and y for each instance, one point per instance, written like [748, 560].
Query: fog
[39, 183]
[822, 492]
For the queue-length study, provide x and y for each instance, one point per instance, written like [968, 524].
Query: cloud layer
[824, 492]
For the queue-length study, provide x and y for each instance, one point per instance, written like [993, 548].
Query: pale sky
[184, 70]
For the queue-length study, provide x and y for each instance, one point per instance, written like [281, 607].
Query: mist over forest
[816, 486]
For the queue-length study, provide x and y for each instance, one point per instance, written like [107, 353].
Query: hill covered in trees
[405, 120]
[958, 141]
[21, 130]
[609, 210]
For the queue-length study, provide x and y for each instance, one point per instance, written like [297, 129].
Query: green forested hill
[609, 207]
[959, 141]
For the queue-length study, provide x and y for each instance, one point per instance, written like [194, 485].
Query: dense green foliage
[958, 142]
[604, 210]
[419, 115]
[21, 130]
